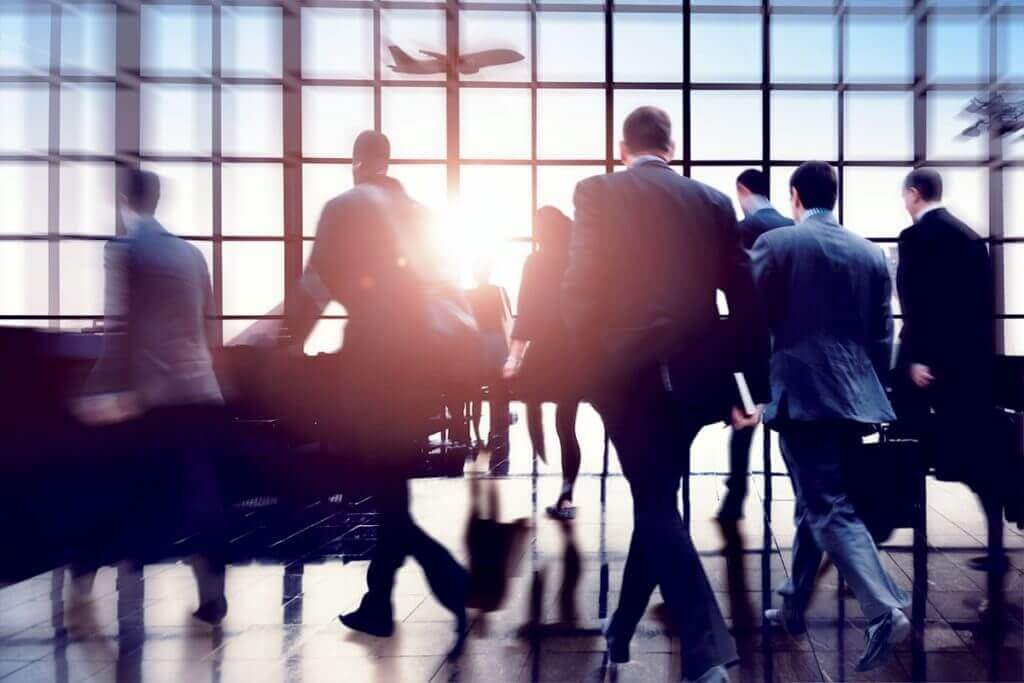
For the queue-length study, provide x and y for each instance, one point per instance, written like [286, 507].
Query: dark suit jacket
[649, 250]
[945, 286]
[760, 222]
[826, 292]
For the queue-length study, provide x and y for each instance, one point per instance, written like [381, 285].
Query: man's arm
[909, 278]
[111, 372]
[308, 300]
[745, 316]
[584, 278]
[880, 339]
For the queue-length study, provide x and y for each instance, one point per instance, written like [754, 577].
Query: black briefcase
[885, 479]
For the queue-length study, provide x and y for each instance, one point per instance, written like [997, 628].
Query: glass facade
[248, 109]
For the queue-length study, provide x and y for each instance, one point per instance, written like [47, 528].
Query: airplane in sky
[436, 63]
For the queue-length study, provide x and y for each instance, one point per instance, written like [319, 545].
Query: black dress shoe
[373, 622]
[212, 611]
[987, 563]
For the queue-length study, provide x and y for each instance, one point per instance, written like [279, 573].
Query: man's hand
[512, 367]
[921, 375]
[740, 420]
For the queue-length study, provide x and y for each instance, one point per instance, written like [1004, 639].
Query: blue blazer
[760, 222]
[827, 295]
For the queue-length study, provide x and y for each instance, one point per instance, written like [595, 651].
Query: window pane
[175, 119]
[251, 41]
[957, 49]
[24, 125]
[413, 32]
[803, 49]
[495, 124]
[251, 120]
[24, 39]
[24, 280]
[1013, 278]
[874, 201]
[723, 179]
[333, 117]
[1013, 337]
[570, 46]
[176, 40]
[81, 277]
[1011, 47]
[320, 184]
[556, 185]
[484, 30]
[725, 48]
[804, 125]
[507, 269]
[879, 126]
[946, 124]
[878, 49]
[494, 204]
[414, 121]
[1013, 195]
[253, 277]
[23, 198]
[87, 118]
[726, 125]
[669, 100]
[87, 199]
[965, 193]
[427, 184]
[779, 184]
[252, 200]
[660, 60]
[327, 337]
[87, 42]
[570, 124]
[186, 197]
[337, 43]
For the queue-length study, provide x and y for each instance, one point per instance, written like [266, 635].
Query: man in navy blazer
[826, 293]
[760, 217]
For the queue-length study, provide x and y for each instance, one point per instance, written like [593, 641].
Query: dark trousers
[398, 537]
[739, 468]
[653, 442]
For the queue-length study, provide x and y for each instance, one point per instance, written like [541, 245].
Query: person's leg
[739, 467]
[535, 426]
[814, 453]
[637, 587]
[475, 406]
[565, 424]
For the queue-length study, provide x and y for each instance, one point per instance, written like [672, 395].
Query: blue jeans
[826, 521]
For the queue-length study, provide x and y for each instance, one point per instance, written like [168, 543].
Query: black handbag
[885, 481]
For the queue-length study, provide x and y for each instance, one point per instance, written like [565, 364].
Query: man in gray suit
[156, 369]
[826, 295]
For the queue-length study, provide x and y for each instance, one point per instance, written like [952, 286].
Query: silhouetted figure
[760, 217]
[156, 366]
[947, 346]
[649, 250]
[371, 256]
[826, 292]
[540, 359]
[493, 313]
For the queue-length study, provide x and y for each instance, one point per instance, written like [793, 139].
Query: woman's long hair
[552, 230]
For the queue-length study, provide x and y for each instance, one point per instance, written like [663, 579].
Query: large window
[248, 110]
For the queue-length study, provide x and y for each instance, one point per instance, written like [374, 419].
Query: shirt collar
[808, 213]
[755, 204]
[646, 159]
[930, 206]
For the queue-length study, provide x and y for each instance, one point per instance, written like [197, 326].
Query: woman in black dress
[538, 358]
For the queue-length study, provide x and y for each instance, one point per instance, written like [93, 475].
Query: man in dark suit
[947, 345]
[649, 249]
[759, 217]
[826, 292]
[370, 255]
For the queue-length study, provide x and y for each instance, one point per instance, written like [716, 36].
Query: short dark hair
[647, 128]
[372, 150]
[815, 182]
[755, 181]
[927, 182]
[141, 189]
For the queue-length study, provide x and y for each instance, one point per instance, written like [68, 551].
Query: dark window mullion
[53, 166]
[216, 170]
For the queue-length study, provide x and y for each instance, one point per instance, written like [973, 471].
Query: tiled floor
[282, 623]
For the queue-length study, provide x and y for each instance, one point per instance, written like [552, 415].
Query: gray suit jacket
[159, 308]
[827, 295]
